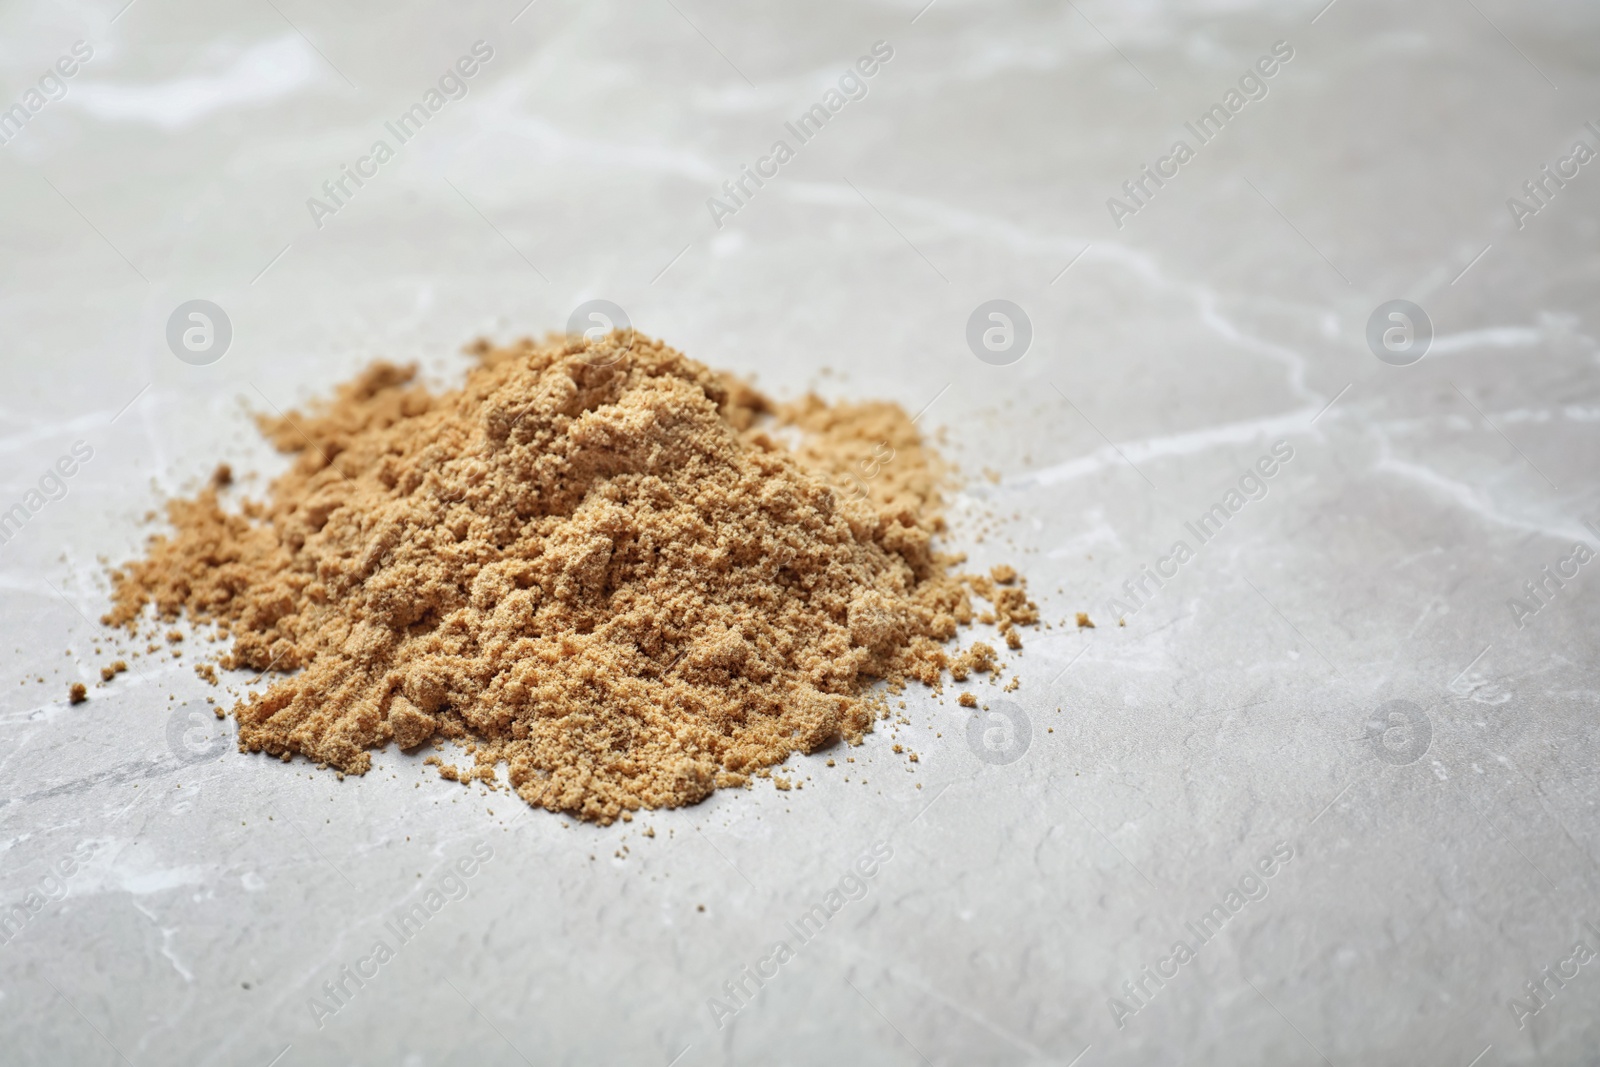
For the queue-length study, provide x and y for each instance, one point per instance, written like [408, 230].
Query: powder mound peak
[594, 562]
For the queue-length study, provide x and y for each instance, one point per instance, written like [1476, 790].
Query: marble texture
[1435, 866]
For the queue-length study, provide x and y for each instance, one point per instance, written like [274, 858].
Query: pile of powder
[597, 562]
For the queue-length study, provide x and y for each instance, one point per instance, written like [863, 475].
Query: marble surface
[1330, 723]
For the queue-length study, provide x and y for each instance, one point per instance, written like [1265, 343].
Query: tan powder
[630, 578]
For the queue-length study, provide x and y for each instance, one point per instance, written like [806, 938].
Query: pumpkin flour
[629, 578]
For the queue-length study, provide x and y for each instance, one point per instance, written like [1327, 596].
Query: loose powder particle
[631, 579]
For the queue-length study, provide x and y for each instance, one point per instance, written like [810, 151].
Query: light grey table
[1337, 675]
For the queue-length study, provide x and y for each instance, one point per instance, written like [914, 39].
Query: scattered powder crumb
[596, 560]
[77, 693]
[1083, 621]
[979, 658]
[967, 700]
